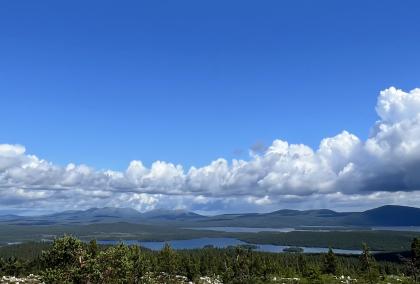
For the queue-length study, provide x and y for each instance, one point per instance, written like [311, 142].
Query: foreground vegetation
[69, 260]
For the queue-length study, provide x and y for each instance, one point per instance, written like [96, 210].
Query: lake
[401, 228]
[243, 229]
[219, 243]
[305, 228]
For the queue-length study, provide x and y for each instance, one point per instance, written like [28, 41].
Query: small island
[248, 246]
[293, 249]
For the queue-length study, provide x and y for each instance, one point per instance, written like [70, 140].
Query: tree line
[69, 260]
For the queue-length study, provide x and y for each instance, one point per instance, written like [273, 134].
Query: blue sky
[103, 83]
[185, 81]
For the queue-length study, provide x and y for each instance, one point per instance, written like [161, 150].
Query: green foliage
[113, 265]
[69, 260]
[141, 264]
[93, 248]
[314, 275]
[65, 261]
[12, 266]
[168, 260]
[368, 266]
[330, 263]
[66, 252]
[415, 259]
[191, 267]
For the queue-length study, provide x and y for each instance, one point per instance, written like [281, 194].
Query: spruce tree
[368, 265]
[330, 263]
[93, 248]
[415, 259]
[168, 260]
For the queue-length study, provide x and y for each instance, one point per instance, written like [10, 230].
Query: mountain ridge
[387, 215]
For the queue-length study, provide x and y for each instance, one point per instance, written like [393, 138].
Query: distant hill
[103, 215]
[392, 215]
[97, 215]
[389, 215]
[161, 214]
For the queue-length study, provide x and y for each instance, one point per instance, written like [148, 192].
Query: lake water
[243, 229]
[402, 228]
[306, 229]
[219, 243]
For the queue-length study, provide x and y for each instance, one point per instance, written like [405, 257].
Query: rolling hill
[389, 215]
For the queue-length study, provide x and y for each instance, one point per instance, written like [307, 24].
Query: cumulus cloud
[382, 168]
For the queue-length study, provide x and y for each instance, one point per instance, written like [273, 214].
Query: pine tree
[241, 264]
[330, 263]
[314, 276]
[141, 264]
[415, 259]
[168, 260]
[368, 265]
[65, 261]
[191, 267]
[302, 265]
[93, 248]
[113, 265]
[2, 266]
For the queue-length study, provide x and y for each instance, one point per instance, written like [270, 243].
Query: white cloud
[383, 168]
[395, 105]
[7, 150]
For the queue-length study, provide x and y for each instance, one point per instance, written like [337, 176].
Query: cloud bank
[344, 171]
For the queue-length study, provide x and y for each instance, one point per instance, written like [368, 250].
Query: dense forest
[69, 260]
